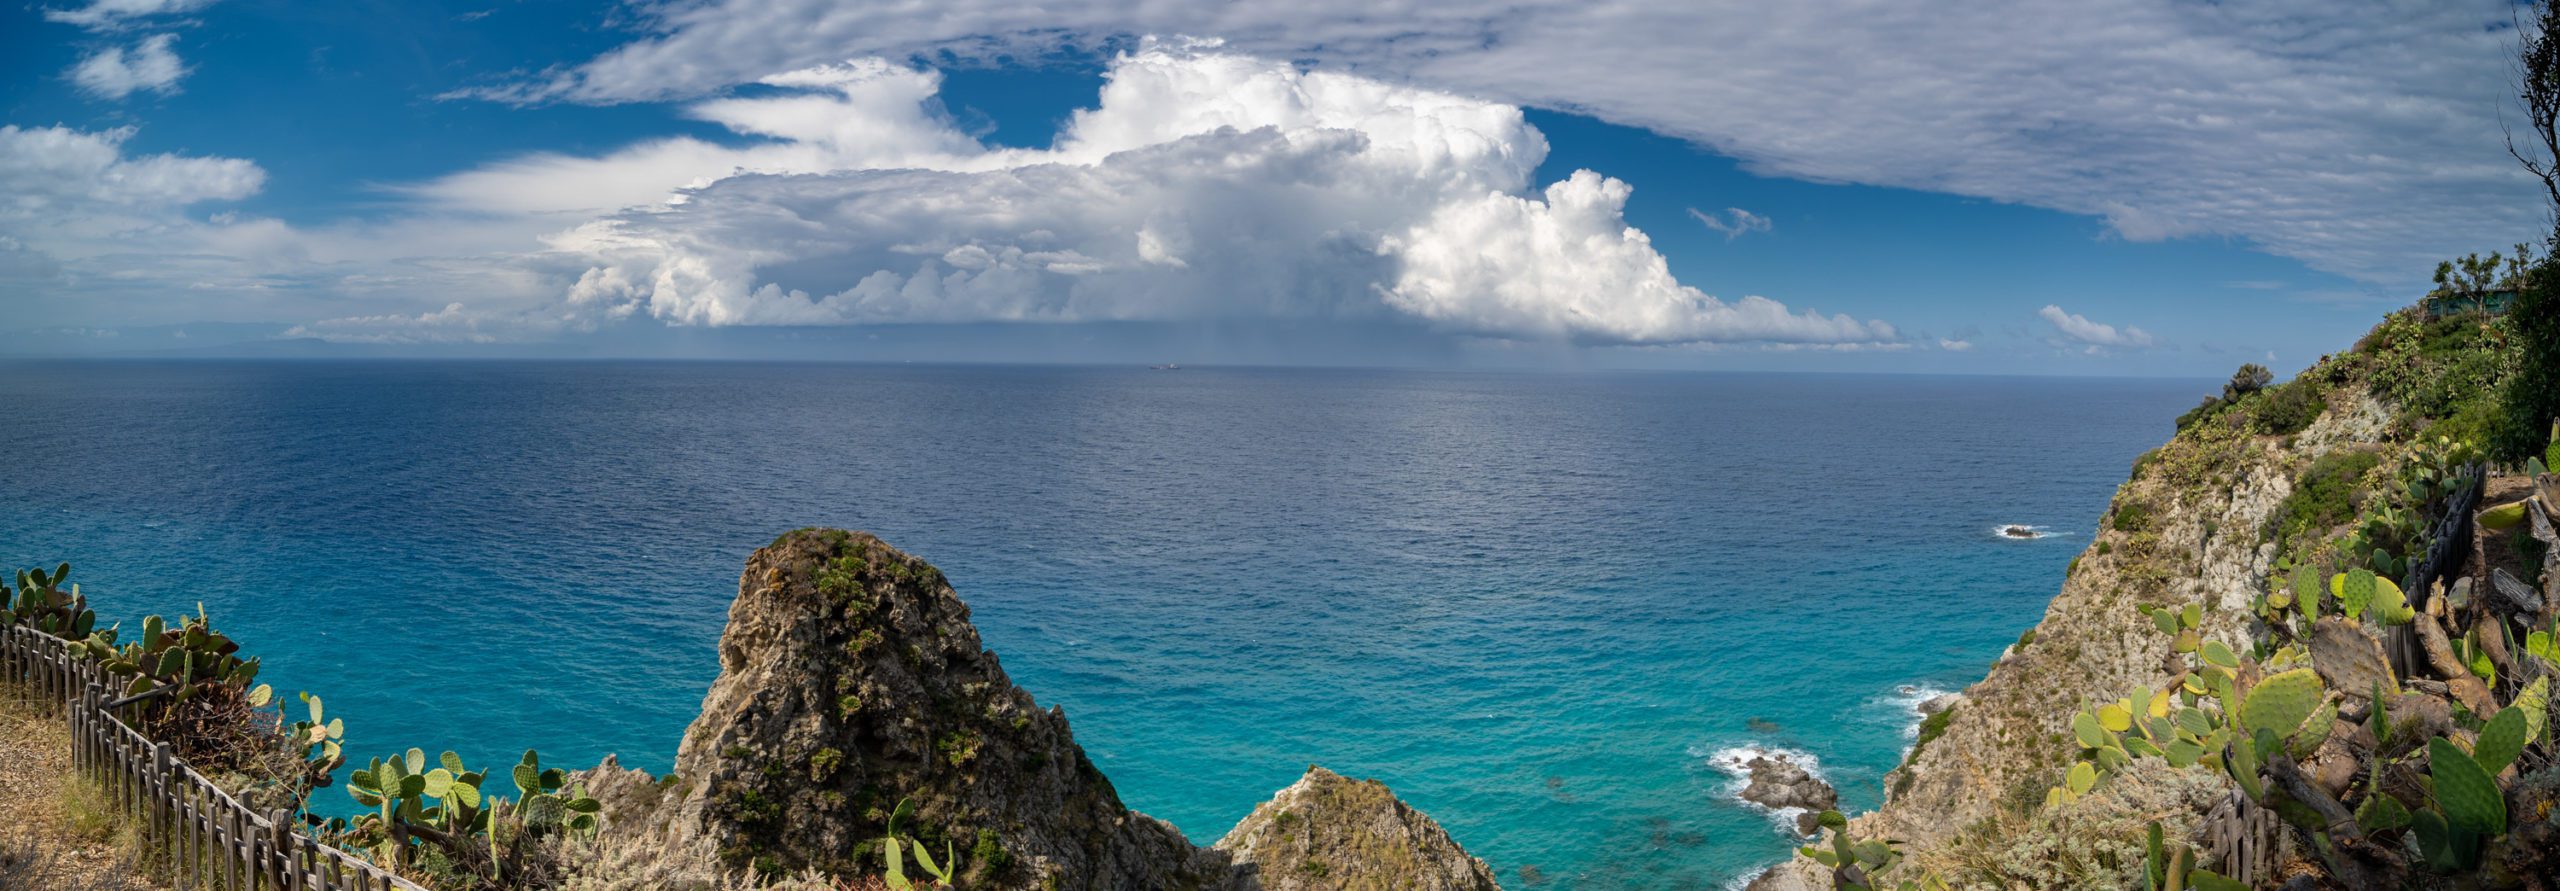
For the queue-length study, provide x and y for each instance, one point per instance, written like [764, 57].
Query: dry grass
[55, 830]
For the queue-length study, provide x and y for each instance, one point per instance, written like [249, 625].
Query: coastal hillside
[2245, 547]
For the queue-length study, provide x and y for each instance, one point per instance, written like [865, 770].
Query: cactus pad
[2466, 793]
[2501, 740]
[2279, 704]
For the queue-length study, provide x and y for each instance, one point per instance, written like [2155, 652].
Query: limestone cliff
[851, 679]
[2186, 528]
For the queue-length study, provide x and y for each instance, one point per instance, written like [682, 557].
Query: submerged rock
[851, 680]
[1327, 831]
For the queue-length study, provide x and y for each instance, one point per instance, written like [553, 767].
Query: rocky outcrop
[851, 680]
[1326, 831]
[1778, 784]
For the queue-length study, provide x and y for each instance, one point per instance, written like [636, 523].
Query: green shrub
[2288, 409]
[2531, 398]
[2132, 516]
[2323, 496]
[989, 853]
[2211, 407]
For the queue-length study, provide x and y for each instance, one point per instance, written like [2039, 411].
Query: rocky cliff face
[851, 679]
[2187, 528]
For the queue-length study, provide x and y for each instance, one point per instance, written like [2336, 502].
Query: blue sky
[2118, 187]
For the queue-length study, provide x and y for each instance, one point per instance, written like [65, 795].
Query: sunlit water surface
[1537, 605]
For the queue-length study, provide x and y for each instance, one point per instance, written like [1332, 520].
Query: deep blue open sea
[1537, 605]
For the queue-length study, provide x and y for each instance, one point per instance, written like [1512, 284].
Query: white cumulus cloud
[2095, 336]
[1204, 184]
[52, 178]
[116, 72]
[1571, 266]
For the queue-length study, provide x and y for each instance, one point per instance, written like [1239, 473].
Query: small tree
[2475, 277]
[2532, 397]
[2249, 379]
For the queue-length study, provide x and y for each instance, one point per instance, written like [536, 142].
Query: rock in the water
[1778, 783]
[1326, 831]
[850, 678]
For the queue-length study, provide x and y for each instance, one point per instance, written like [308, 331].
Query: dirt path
[54, 833]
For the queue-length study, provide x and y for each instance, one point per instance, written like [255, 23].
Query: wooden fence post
[156, 787]
[288, 860]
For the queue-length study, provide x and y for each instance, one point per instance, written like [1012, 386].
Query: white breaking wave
[2001, 531]
[1903, 705]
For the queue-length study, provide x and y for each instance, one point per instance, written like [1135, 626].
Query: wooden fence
[2448, 551]
[195, 833]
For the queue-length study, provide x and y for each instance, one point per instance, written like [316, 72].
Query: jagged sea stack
[850, 678]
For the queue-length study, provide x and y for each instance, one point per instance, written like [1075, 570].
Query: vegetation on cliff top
[432, 822]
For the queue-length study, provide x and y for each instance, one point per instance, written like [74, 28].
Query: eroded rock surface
[1328, 831]
[850, 679]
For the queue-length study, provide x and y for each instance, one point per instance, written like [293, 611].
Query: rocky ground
[51, 835]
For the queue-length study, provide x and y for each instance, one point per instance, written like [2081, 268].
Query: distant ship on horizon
[1169, 366]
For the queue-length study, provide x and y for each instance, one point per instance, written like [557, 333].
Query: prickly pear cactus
[2467, 793]
[2281, 703]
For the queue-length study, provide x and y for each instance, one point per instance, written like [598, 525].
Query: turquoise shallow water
[1537, 605]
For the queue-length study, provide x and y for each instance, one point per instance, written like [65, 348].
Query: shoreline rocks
[1778, 783]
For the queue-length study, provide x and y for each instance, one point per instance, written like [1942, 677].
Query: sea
[1553, 610]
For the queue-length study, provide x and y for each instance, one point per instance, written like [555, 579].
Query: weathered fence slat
[206, 839]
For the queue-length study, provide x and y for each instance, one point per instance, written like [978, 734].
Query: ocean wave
[2001, 531]
[1735, 763]
[1903, 705]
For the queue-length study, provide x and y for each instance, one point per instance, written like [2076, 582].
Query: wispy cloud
[2094, 336]
[104, 15]
[1734, 222]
